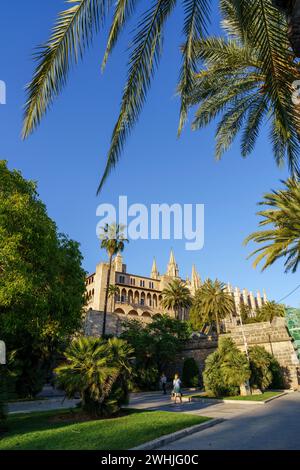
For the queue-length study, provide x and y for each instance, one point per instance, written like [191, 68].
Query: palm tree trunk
[106, 296]
[217, 324]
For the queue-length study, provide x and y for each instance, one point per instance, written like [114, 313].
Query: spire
[172, 269]
[154, 271]
[118, 262]
[195, 279]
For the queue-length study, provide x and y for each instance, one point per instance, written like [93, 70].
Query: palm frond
[147, 48]
[123, 11]
[256, 115]
[196, 14]
[72, 33]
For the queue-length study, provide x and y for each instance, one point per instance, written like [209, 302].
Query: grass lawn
[262, 397]
[62, 430]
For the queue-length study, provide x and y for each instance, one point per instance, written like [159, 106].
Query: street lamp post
[247, 384]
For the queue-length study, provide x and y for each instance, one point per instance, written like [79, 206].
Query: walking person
[163, 382]
[177, 388]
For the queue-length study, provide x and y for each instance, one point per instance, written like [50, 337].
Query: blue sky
[67, 155]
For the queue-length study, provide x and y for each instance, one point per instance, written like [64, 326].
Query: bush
[99, 370]
[190, 373]
[226, 369]
[265, 370]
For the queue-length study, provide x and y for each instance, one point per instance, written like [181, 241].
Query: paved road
[41, 405]
[157, 401]
[274, 426]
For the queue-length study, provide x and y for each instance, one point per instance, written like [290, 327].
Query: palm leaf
[147, 48]
[71, 34]
[123, 11]
[196, 14]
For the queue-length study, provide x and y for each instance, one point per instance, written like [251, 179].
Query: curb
[167, 439]
[242, 402]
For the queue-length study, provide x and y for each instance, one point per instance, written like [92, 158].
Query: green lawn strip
[36, 431]
[262, 397]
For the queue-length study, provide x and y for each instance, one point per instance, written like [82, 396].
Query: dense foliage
[177, 297]
[41, 284]
[265, 369]
[99, 370]
[279, 236]
[190, 372]
[211, 304]
[155, 347]
[226, 369]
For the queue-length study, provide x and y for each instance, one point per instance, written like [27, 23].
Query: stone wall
[93, 323]
[273, 337]
[199, 349]
[276, 340]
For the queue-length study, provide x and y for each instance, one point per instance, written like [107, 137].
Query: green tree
[226, 369]
[280, 234]
[99, 370]
[245, 312]
[190, 372]
[42, 283]
[243, 81]
[113, 241]
[269, 311]
[76, 27]
[155, 346]
[260, 365]
[211, 304]
[176, 296]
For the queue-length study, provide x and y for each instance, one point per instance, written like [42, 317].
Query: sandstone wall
[276, 340]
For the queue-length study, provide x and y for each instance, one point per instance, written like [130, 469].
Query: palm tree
[269, 311]
[280, 235]
[176, 296]
[247, 79]
[113, 241]
[112, 292]
[77, 26]
[96, 369]
[212, 303]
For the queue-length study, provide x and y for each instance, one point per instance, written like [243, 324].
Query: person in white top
[177, 388]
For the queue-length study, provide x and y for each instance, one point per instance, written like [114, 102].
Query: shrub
[190, 373]
[265, 370]
[277, 375]
[226, 369]
[99, 370]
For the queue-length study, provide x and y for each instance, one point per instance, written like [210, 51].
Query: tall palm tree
[112, 292]
[280, 234]
[77, 26]
[211, 304]
[270, 310]
[247, 80]
[176, 296]
[113, 241]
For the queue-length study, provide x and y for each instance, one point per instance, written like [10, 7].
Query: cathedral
[140, 297]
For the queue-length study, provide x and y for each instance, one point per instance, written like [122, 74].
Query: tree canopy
[42, 283]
